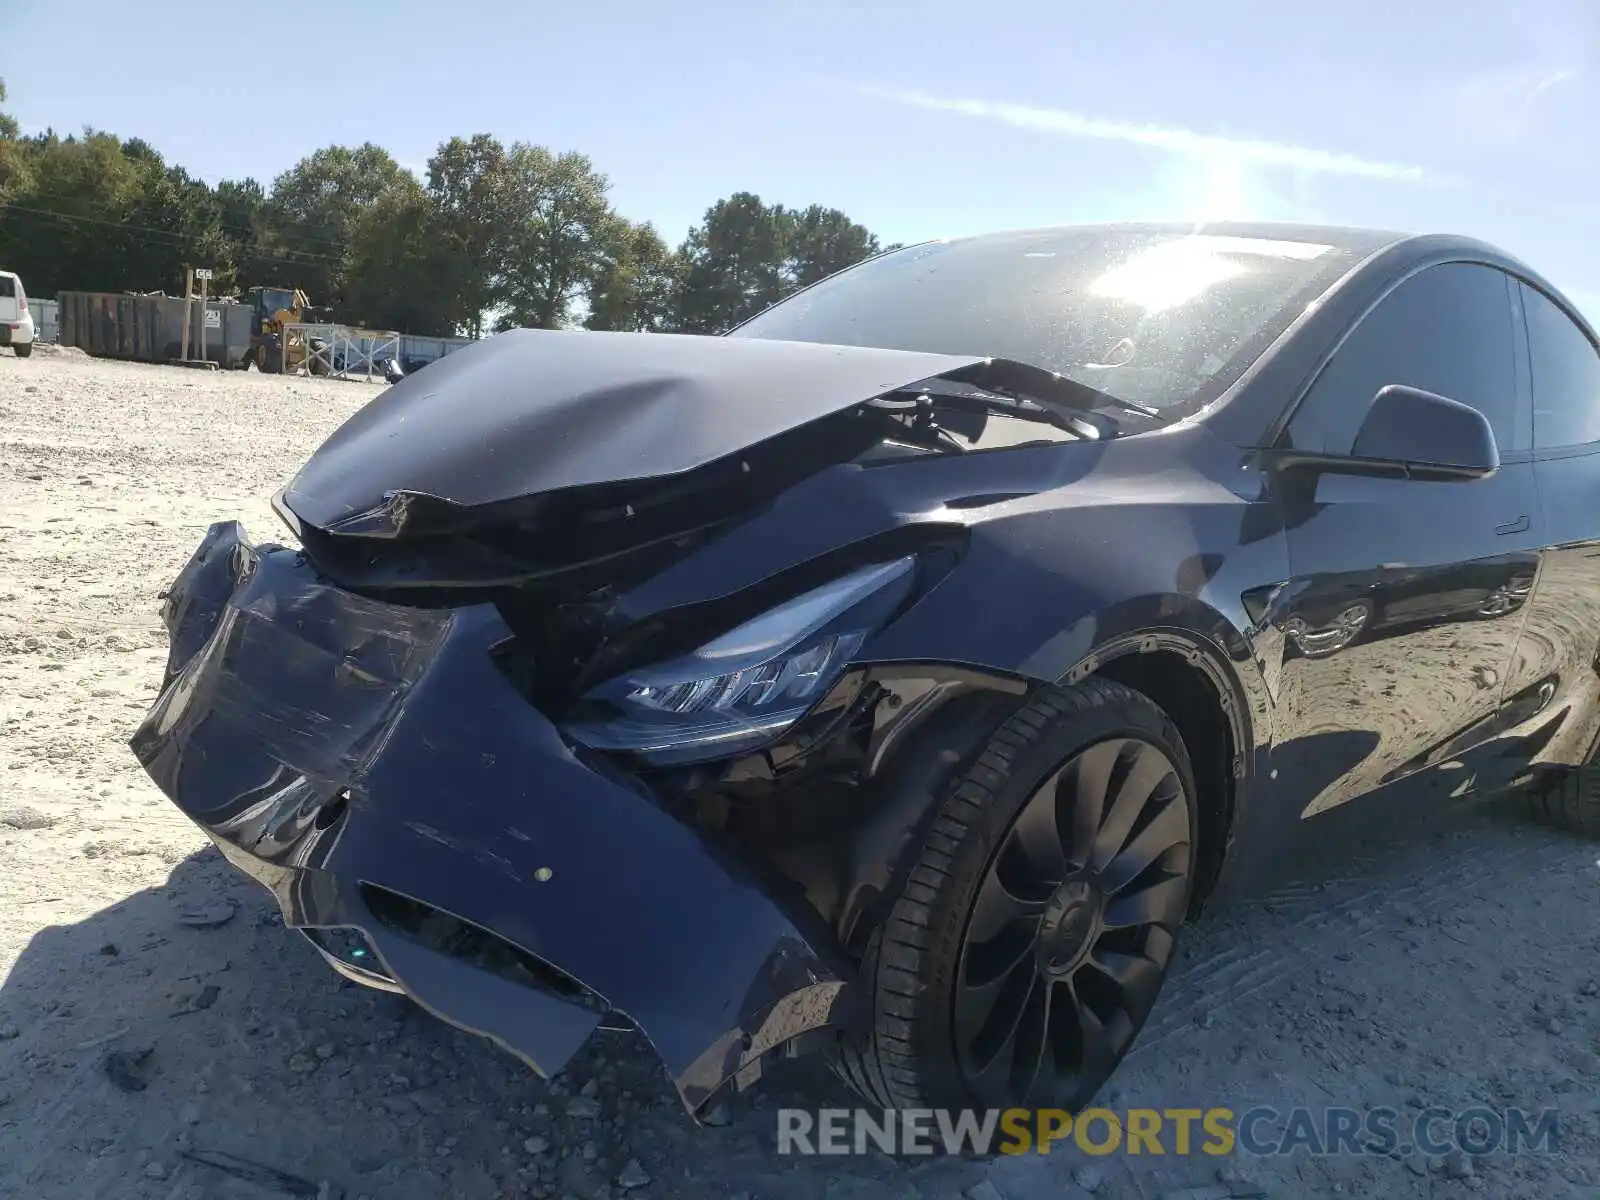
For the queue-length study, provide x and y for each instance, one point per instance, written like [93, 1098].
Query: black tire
[916, 971]
[1569, 800]
[23, 349]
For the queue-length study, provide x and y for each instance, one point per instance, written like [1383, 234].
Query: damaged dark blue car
[892, 676]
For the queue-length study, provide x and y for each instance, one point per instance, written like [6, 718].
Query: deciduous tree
[316, 204]
[557, 237]
[396, 263]
[637, 288]
[469, 184]
[734, 263]
[822, 241]
[747, 255]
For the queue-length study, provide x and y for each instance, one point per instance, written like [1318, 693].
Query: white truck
[16, 322]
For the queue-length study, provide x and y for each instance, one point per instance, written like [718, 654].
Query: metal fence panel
[46, 320]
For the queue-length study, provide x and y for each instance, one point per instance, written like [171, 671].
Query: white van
[16, 322]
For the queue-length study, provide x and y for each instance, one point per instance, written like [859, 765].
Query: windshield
[1157, 317]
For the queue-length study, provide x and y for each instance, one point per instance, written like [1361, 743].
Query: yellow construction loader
[275, 348]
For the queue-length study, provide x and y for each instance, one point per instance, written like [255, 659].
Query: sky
[928, 119]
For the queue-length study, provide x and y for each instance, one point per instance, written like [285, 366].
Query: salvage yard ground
[162, 1036]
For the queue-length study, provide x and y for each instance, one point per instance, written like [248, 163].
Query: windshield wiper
[1006, 375]
[936, 405]
[1107, 400]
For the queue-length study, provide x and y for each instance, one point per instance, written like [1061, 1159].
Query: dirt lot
[162, 1036]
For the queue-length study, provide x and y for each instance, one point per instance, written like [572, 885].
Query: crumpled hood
[534, 411]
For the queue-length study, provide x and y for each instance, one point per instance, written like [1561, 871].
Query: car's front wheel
[1035, 929]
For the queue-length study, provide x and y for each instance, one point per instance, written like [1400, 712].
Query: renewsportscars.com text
[1259, 1131]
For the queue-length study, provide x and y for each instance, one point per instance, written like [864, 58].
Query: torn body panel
[568, 463]
[530, 412]
[333, 745]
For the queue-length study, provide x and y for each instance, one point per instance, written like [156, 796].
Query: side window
[1449, 330]
[1566, 375]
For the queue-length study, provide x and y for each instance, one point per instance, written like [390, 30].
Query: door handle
[1518, 526]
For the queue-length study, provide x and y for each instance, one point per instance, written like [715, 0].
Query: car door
[1399, 619]
[1553, 686]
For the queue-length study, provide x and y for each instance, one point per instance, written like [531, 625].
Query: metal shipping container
[417, 351]
[150, 328]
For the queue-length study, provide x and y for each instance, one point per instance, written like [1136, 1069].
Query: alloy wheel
[1344, 629]
[1072, 927]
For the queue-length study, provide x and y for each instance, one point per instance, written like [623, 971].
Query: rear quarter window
[1566, 376]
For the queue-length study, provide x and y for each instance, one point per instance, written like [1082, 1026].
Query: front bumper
[355, 757]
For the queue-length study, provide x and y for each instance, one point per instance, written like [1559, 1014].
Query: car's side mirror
[1412, 433]
[1430, 434]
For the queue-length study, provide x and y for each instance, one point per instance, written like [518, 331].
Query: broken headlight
[751, 683]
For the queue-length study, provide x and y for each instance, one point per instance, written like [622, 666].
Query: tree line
[495, 236]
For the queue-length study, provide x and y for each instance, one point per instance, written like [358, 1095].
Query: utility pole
[188, 316]
[204, 276]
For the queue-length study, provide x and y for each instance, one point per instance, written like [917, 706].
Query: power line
[273, 223]
[300, 257]
[128, 226]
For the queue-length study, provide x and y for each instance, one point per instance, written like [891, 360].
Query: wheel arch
[1197, 687]
[1221, 712]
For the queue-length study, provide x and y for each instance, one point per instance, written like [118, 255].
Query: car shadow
[182, 1044]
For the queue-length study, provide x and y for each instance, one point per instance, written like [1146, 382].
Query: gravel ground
[162, 1036]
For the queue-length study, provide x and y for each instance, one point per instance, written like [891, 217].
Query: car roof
[1357, 239]
[1398, 249]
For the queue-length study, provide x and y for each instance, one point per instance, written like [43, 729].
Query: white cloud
[1505, 103]
[1170, 138]
[1552, 78]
